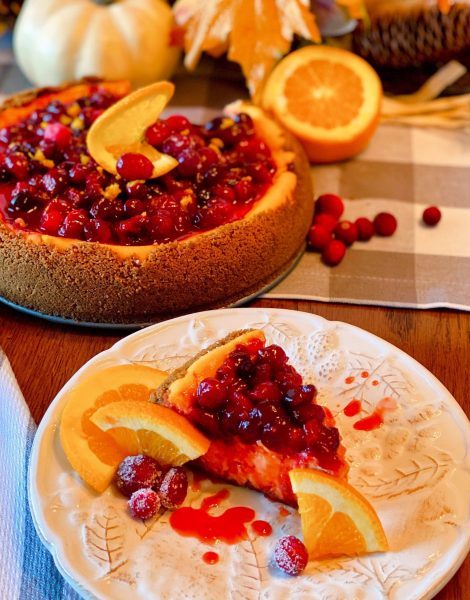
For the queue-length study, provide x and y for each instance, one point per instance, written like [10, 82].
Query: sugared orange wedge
[336, 519]
[121, 128]
[157, 431]
[92, 453]
[328, 98]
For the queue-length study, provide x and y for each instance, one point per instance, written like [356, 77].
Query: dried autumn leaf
[256, 33]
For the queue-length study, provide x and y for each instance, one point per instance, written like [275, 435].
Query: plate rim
[54, 549]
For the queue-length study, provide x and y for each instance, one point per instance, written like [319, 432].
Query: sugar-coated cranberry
[132, 165]
[333, 253]
[290, 555]
[330, 204]
[58, 134]
[266, 390]
[177, 123]
[136, 472]
[318, 237]
[326, 221]
[98, 230]
[346, 231]
[306, 412]
[385, 224]
[173, 487]
[17, 164]
[431, 216]
[207, 421]
[144, 503]
[211, 393]
[365, 229]
[274, 355]
[157, 133]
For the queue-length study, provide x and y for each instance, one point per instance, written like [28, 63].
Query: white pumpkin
[62, 40]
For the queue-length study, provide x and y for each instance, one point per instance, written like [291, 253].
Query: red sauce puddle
[349, 380]
[262, 528]
[211, 558]
[365, 374]
[283, 512]
[353, 408]
[229, 527]
[373, 421]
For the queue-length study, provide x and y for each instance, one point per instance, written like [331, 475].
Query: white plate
[415, 470]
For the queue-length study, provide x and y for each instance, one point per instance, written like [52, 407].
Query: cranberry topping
[136, 472]
[144, 503]
[290, 555]
[257, 396]
[223, 169]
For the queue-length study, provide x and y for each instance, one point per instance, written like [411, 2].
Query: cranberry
[79, 173]
[110, 210]
[288, 378]
[73, 224]
[217, 213]
[58, 134]
[224, 191]
[176, 143]
[231, 418]
[211, 393]
[260, 173]
[296, 439]
[173, 487]
[47, 148]
[250, 429]
[177, 123]
[312, 431]
[431, 216]
[17, 164]
[132, 165]
[346, 232]
[54, 181]
[263, 372]
[144, 503]
[273, 354]
[133, 207]
[131, 229]
[51, 219]
[207, 421]
[252, 150]
[306, 412]
[98, 230]
[326, 221]
[136, 472]
[242, 364]
[94, 186]
[365, 229]
[318, 237]
[23, 198]
[268, 413]
[329, 438]
[161, 224]
[290, 555]
[266, 390]
[189, 162]
[244, 189]
[275, 436]
[385, 224]
[157, 133]
[300, 395]
[333, 253]
[330, 204]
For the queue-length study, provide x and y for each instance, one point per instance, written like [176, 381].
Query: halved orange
[328, 98]
[151, 429]
[121, 128]
[336, 519]
[93, 454]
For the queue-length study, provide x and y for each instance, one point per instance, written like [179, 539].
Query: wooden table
[44, 356]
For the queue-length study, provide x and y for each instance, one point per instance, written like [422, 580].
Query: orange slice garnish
[121, 129]
[336, 519]
[151, 429]
[93, 454]
[328, 98]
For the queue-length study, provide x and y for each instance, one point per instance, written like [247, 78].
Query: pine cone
[9, 10]
[419, 36]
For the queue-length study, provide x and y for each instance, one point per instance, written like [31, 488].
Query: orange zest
[336, 519]
[92, 453]
[151, 429]
[328, 98]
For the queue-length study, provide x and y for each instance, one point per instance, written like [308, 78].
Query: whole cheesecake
[81, 243]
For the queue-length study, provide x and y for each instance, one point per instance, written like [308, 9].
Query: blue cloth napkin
[27, 569]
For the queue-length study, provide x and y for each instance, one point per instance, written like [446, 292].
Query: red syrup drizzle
[375, 420]
[262, 528]
[353, 408]
[365, 374]
[229, 527]
[283, 512]
[349, 379]
[211, 558]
